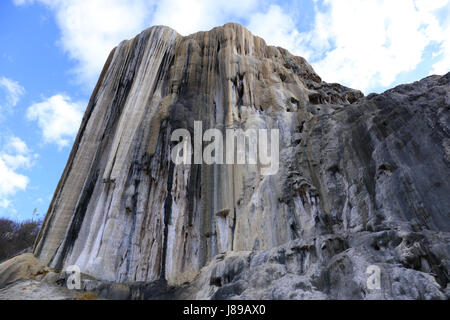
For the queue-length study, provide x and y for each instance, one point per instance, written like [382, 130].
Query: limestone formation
[362, 180]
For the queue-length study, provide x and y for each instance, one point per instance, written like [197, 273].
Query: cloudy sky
[52, 51]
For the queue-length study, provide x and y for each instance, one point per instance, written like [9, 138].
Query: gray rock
[51, 277]
[36, 290]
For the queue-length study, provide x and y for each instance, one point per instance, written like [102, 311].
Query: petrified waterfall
[362, 180]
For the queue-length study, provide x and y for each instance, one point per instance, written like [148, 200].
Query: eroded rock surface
[22, 267]
[362, 180]
[36, 290]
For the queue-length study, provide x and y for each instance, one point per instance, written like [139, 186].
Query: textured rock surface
[22, 267]
[362, 180]
[36, 290]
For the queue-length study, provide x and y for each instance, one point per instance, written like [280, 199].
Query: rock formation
[362, 180]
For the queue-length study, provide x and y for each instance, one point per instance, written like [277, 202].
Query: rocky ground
[36, 290]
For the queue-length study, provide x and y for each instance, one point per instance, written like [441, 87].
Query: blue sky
[52, 52]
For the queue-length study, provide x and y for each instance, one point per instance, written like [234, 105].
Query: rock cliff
[362, 180]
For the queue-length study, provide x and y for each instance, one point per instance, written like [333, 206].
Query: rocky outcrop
[22, 267]
[362, 180]
[37, 290]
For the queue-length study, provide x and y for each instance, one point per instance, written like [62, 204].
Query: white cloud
[10, 182]
[58, 118]
[368, 43]
[191, 16]
[17, 145]
[13, 90]
[360, 43]
[15, 155]
[442, 35]
[4, 203]
[363, 44]
[278, 28]
[91, 29]
[22, 2]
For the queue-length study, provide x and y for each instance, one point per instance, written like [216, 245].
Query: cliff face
[361, 180]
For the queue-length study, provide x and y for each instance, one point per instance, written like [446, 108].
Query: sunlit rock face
[362, 180]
